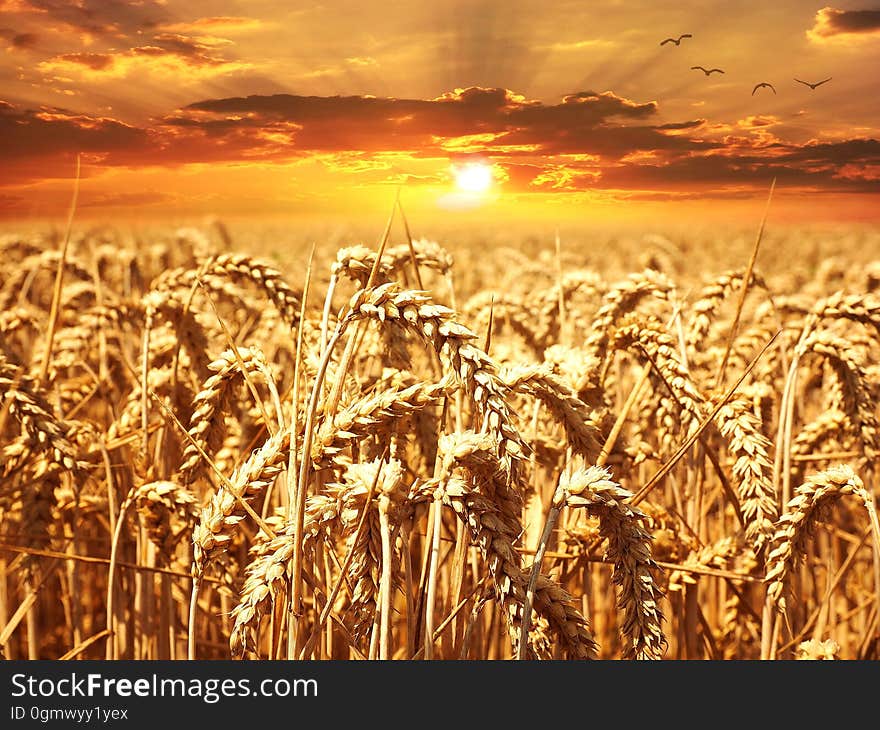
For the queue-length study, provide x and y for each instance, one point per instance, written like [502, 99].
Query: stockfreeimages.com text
[209, 690]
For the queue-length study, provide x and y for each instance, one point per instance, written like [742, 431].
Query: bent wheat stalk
[628, 549]
[794, 527]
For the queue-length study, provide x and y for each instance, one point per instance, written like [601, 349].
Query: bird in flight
[676, 41]
[813, 86]
[763, 83]
[707, 71]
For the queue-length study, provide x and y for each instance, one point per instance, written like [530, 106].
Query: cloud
[42, 143]
[94, 61]
[758, 121]
[691, 124]
[18, 41]
[98, 17]
[361, 61]
[166, 54]
[819, 166]
[559, 178]
[831, 22]
[586, 122]
[586, 142]
[662, 196]
[219, 24]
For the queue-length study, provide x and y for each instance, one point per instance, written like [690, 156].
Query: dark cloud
[25, 40]
[42, 143]
[49, 131]
[195, 51]
[20, 41]
[583, 123]
[469, 111]
[815, 166]
[103, 17]
[836, 153]
[608, 140]
[831, 21]
[693, 124]
[38, 144]
[213, 127]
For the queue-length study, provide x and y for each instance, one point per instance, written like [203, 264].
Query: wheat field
[416, 450]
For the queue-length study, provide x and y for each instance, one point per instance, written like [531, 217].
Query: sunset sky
[574, 109]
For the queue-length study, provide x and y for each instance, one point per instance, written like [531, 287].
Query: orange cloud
[219, 24]
[361, 61]
[167, 54]
[642, 157]
[564, 178]
[587, 142]
[757, 121]
[468, 142]
[94, 61]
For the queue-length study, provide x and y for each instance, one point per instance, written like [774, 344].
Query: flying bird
[707, 71]
[813, 86]
[676, 41]
[763, 83]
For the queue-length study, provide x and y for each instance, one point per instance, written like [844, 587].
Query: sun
[473, 177]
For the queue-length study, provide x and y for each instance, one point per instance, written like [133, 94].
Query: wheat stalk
[630, 552]
[796, 526]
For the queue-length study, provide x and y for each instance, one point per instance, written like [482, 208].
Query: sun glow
[473, 177]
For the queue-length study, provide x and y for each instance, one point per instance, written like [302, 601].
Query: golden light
[473, 177]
